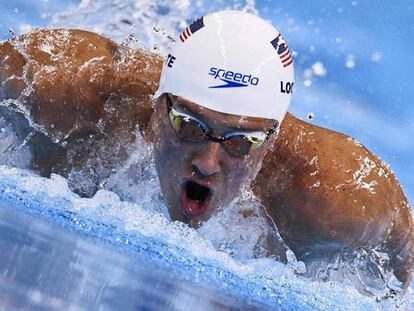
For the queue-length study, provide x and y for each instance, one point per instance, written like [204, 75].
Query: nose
[207, 163]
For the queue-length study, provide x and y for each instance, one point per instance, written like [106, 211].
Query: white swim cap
[231, 62]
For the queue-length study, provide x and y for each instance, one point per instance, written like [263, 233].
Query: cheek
[257, 161]
[165, 141]
[243, 170]
[165, 155]
[237, 172]
[170, 155]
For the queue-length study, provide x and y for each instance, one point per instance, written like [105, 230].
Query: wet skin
[206, 163]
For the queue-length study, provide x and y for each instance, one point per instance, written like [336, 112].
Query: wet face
[200, 177]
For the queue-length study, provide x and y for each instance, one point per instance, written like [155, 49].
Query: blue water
[49, 267]
[71, 241]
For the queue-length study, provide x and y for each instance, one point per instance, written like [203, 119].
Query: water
[109, 239]
[50, 268]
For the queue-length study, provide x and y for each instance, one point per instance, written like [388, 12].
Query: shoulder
[65, 77]
[322, 186]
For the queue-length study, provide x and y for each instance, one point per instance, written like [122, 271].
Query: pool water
[44, 266]
[103, 253]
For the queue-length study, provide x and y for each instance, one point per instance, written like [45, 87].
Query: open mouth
[195, 198]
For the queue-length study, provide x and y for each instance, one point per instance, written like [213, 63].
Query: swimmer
[219, 121]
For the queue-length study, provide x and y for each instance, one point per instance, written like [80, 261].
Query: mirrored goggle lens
[187, 127]
[240, 145]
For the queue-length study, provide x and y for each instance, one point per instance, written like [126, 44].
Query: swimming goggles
[236, 144]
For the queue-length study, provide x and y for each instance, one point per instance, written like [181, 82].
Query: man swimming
[214, 127]
[219, 107]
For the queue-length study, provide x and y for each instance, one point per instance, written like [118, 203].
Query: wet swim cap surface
[231, 62]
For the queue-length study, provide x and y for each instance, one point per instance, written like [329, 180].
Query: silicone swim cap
[231, 62]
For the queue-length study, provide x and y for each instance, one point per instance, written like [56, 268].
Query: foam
[107, 217]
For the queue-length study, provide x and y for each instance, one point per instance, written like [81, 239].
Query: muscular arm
[65, 78]
[321, 187]
[82, 90]
[326, 191]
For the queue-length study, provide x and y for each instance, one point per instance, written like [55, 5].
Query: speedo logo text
[232, 79]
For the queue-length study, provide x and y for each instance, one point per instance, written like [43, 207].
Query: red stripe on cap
[286, 61]
[187, 30]
[287, 64]
[185, 35]
[286, 57]
[181, 37]
[284, 53]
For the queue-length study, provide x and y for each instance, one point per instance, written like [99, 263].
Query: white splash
[364, 171]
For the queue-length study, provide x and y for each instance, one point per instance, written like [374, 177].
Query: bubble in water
[319, 69]
[350, 62]
[376, 56]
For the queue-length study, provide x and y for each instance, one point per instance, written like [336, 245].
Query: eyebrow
[206, 121]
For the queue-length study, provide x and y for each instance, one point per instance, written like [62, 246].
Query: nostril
[195, 169]
[201, 172]
[198, 171]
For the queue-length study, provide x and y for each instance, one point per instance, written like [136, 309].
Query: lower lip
[193, 208]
